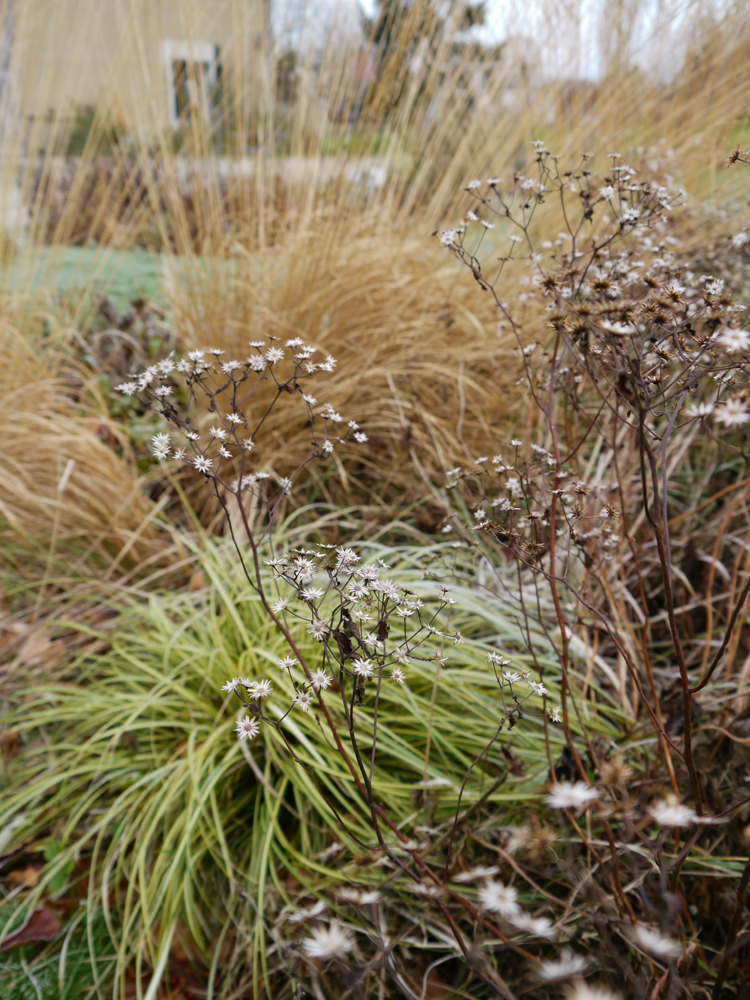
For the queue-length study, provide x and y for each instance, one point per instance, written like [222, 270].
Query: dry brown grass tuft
[420, 363]
[72, 503]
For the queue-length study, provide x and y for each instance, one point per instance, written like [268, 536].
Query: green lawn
[122, 275]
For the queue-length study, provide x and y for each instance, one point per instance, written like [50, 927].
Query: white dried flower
[357, 590]
[734, 341]
[655, 942]
[161, 445]
[732, 413]
[259, 689]
[569, 795]
[358, 897]
[346, 557]
[362, 668]
[588, 991]
[321, 679]
[300, 916]
[328, 942]
[536, 926]
[247, 728]
[304, 568]
[566, 967]
[702, 409]
[670, 812]
[303, 700]
[477, 874]
[128, 388]
[499, 898]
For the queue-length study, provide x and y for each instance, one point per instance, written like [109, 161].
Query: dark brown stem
[661, 532]
[733, 931]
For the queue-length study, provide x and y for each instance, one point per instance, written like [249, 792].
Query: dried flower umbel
[628, 357]
[369, 629]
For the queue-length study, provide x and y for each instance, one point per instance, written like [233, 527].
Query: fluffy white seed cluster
[571, 795]
[250, 693]
[370, 626]
[496, 897]
[224, 385]
[325, 943]
[519, 685]
[514, 495]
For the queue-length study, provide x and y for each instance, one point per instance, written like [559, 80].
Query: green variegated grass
[63, 970]
[140, 772]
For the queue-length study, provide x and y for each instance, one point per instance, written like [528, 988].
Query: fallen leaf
[10, 742]
[34, 649]
[26, 877]
[42, 925]
[12, 635]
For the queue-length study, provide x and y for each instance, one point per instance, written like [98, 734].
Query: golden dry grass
[672, 80]
[72, 502]
[326, 227]
[420, 363]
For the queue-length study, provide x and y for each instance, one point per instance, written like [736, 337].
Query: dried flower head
[328, 942]
[670, 812]
[590, 991]
[615, 771]
[567, 966]
[571, 795]
[499, 898]
[655, 942]
[247, 728]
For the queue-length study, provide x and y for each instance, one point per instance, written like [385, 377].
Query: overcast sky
[568, 32]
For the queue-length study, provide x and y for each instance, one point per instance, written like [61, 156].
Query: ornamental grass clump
[371, 630]
[189, 834]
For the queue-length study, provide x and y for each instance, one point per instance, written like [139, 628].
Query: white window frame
[199, 52]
